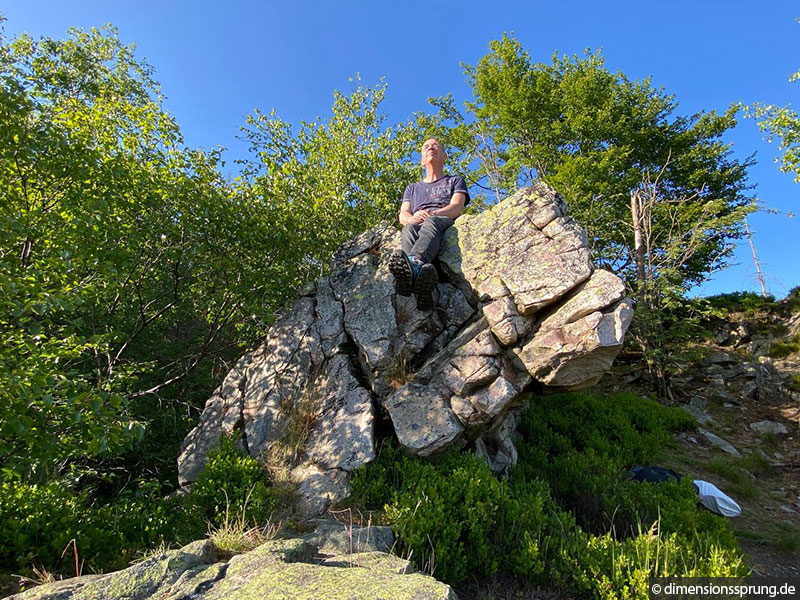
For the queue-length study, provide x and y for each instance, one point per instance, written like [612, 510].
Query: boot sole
[401, 269]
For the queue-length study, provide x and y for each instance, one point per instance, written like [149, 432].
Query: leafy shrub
[37, 523]
[584, 445]
[443, 513]
[741, 301]
[607, 568]
[793, 299]
[446, 518]
[531, 530]
[232, 485]
[376, 484]
[453, 518]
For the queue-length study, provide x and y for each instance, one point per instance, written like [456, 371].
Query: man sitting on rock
[429, 207]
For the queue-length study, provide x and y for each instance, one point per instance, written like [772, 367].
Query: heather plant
[584, 445]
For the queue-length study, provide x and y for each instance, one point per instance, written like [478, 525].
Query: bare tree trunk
[650, 332]
[638, 244]
[755, 258]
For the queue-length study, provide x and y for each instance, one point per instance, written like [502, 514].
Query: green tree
[132, 272]
[781, 122]
[659, 194]
[322, 183]
[597, 137]
[124, 264]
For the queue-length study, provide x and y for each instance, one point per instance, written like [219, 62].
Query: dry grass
[236, 536]
[399, 375]
[41, 576]
[301, 413]
[144, 555]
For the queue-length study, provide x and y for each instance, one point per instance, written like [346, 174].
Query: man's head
[433, 154]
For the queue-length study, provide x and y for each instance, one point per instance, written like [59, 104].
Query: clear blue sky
[217, 61]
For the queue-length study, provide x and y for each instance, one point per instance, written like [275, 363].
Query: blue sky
[217, 61]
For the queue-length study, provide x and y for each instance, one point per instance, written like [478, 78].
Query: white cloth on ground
[716, 500]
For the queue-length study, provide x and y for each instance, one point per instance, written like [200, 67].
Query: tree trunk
[755, 258]
[638, 244]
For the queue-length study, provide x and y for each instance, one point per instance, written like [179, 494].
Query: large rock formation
[520, 306]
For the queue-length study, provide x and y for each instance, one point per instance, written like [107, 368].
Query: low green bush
[584, 445]
[568, 516]
[37, 523]
[233, 485]
[793, 299]
[454, 518]
[443, 512]
[607, 568]
[741, 301]
[784, 349]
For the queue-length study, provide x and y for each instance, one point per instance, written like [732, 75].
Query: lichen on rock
[313, 567]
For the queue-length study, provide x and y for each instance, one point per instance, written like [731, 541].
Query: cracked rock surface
[520, 305]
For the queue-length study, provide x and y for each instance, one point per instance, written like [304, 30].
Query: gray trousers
[424, 239]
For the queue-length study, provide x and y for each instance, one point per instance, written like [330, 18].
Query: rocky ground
[743, 386]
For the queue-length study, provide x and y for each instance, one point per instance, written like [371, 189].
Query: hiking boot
[424, 285]
[400, 267]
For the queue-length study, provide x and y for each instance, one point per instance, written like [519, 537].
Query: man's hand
[420, 216]
[406, 218]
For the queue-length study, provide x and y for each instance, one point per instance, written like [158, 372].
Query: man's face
[432, 152]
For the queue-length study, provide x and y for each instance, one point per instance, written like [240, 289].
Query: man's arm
[407, 218]
[454, 209]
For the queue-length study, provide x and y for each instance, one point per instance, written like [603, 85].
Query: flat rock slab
[346, 538]
[278, 569]
[763, 427]
[718, 442]
[703, 418]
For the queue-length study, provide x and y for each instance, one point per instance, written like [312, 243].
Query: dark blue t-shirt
[437, 194]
